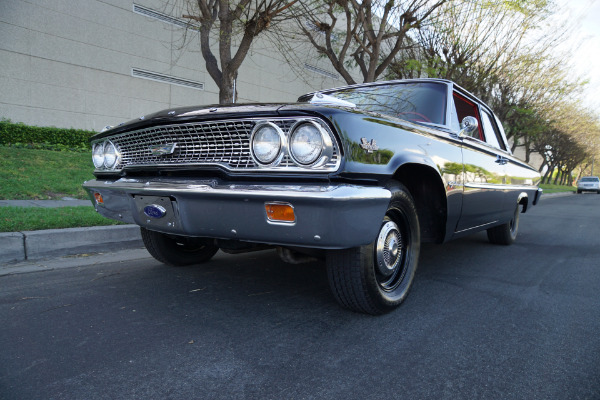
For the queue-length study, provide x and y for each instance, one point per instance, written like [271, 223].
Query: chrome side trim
[477, 228]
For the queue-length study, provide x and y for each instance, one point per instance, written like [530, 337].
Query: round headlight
[98, 155]
[111, 155]
[306, 143]
[267, 141]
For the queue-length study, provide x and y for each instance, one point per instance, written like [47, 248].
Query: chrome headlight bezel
[326, 150]
[281, 150]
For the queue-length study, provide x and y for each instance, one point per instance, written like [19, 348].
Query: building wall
[68, 63]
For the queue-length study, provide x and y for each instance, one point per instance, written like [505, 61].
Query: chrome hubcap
[389, 249]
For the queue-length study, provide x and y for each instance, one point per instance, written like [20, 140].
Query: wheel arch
[428, 191]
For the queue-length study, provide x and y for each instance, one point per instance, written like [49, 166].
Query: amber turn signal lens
[280, 212]
[98, 197]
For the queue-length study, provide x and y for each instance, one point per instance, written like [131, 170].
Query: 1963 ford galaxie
[358, 176]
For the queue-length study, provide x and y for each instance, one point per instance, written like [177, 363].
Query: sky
[586, 58]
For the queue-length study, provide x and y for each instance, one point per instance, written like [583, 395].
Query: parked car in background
[357, 176]
[589, 184]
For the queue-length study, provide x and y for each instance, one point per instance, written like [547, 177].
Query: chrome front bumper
[327, 216]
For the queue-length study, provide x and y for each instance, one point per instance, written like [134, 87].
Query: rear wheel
[505, 234]
[376, 278]
[178, 250]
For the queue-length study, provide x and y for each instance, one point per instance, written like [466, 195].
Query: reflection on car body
[358, 176]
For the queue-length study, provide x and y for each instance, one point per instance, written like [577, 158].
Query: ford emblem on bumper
[155, 211]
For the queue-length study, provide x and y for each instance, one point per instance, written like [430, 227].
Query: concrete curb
[557, 194]
[35, 245]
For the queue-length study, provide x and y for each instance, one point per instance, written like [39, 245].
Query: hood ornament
[321, 98]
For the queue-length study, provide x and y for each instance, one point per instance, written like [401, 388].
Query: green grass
[43, 174]
[548, 188]
[14, 219]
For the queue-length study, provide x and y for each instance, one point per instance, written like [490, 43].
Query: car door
[484, 168]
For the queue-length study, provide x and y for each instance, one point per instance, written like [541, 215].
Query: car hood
[220, 112]
[195, 113]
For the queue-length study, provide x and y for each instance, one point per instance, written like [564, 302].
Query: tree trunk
[226, 92]
[548, 175]
[558, 173]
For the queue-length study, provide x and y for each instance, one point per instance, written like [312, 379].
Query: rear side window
[492, 134]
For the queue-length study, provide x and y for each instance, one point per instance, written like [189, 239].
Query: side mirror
[468, 126]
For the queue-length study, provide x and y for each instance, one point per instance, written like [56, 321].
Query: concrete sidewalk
[36, 245]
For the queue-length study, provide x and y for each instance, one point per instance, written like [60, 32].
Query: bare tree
[505, 52]
[231, 25]
[362, 36]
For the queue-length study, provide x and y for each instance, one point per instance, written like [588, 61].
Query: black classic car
[358, 176]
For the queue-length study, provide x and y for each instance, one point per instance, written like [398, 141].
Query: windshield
[417, 102]
[590, 179]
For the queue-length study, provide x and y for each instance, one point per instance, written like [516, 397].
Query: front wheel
[376, 278]
[178, 250]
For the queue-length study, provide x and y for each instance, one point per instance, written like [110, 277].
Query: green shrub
[49, 138]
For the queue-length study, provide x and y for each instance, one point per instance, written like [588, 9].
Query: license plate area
[156, 211]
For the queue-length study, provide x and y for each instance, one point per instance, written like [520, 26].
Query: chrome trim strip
[478, 227]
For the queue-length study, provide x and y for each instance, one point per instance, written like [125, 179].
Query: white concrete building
[90, 63]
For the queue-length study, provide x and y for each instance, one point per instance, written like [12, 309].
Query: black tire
[178, 250]
[579, 192]
[505, 234]
[375, 281]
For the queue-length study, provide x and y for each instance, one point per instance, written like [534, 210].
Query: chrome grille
[224, 143]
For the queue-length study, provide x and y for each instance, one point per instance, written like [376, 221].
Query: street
[481, 322]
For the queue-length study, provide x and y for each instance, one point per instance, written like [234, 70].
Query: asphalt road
[481, 322]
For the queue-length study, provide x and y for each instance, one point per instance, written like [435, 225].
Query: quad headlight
[310, 144]
[307, 144]
[105, 155]
[98, 155]
[267, 142]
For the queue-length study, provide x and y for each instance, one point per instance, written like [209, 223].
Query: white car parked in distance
[589, 184]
